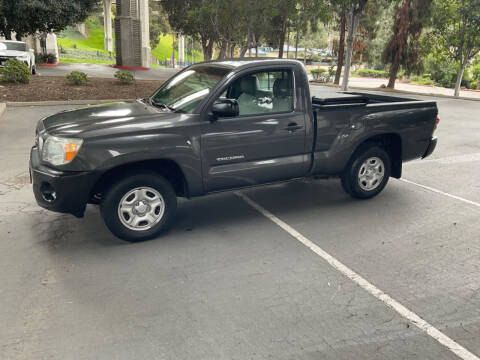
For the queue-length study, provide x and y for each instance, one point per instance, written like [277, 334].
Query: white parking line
[416, 320]
[442, 193]
[455, 159]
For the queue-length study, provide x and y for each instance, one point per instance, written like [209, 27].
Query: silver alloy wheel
[371, 174]
[141, 208]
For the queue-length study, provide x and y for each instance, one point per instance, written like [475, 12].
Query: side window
[263, 92]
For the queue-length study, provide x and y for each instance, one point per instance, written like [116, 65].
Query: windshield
[184, 91]
[4, 45]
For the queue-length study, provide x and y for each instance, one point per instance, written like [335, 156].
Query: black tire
[34, 69]
[350, 177]
[109, 206]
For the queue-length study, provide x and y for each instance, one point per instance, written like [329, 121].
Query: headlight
[22, 58]
[60, 151]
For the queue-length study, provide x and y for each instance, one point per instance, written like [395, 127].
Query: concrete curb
[398, 91]
[66, 102]
[54, 64]
[133, 68]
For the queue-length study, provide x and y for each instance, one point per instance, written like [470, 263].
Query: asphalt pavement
[229, 283]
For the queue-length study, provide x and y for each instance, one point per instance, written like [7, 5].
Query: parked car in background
[17, 50]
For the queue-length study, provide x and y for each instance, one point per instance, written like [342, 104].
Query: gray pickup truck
[217, 126]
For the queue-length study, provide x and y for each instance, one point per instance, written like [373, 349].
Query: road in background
[372, 83]
[227, 283]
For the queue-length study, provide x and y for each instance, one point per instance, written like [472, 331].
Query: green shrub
[125, 77]
[443, 71]
[476, 72]
[332, 70]
[77, 78]
[371, 73]
[316, 73]
[15, 71]
[423, 81]
[470, 84]
[46, 58]
[413, 78]
[466, 79]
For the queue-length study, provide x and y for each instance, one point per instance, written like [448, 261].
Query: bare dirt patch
[51, 88]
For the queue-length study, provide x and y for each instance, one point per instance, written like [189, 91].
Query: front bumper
[431, 146]
[60, 191]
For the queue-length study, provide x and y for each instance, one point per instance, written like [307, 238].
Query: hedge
[371, 73]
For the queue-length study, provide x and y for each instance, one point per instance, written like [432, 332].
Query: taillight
[437, 120]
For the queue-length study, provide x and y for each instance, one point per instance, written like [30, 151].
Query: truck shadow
[224, 212]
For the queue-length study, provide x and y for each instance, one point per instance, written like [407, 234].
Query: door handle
[292, 127]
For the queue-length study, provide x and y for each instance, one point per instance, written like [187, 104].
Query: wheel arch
[392, 144]
[167, 168]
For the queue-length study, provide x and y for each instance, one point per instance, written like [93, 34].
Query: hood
[107, 119]
[13, 53]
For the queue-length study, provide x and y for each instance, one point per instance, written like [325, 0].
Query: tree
[456, 32]
[254, 26]
[403, 48]
[366, 28]
[279, 15]
[193, 18]
[158, 23]
[226, 22]
[311, 13]
[384, 23]
[26, 17]
[341, 44]
[353, 17]
[243, 23]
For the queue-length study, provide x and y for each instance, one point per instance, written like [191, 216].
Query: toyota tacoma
[218, 126]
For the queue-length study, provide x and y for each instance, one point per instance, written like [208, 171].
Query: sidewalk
[421, 89]
[105, 71]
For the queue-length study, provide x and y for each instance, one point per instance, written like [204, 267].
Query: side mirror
[31, 50]
[225, 108]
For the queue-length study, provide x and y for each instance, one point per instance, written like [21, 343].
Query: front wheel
[34, 69]
[367, 173]
[139, 207]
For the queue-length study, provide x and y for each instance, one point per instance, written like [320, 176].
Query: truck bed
[360, 99]
[344, 120]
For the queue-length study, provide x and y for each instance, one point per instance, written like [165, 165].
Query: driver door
[264, 143]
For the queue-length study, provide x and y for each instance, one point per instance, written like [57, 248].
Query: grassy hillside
[164, 50]
[74, 47]
[72, 39]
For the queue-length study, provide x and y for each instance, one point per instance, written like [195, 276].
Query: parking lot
[229, 281]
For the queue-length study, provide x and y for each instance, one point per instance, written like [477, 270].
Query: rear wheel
[367, 172]
[139, 207]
